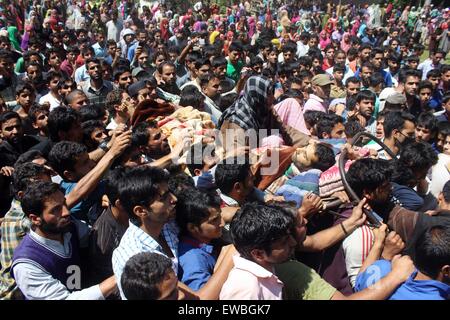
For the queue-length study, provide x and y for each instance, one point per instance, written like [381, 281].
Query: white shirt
[54, 103]
[135, 240]
[426, 66]
[440, 174]
[37, 284]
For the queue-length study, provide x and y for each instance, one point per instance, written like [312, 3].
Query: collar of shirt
[228, 200]
[63, 249]
[92, 89]
[253, 268]
[147, 243]
[194, 243]
[314, 97]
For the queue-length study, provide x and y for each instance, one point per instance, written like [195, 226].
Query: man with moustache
[46, 264]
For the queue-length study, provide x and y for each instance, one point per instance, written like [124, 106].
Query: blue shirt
[196, 262]
[386, 76]
[89, 208]
[410, 290]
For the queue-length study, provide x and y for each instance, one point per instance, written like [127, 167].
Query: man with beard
[166, 78]
[399, 130]
[15, 142]
[365, 73]
[321, 86]
[370, 178]
[364, 110]
[95, 88]
[34, 75]
[153, 142]
[46, 264]
[408, 84]
[376, 58]
[339, 106]
[211, 90]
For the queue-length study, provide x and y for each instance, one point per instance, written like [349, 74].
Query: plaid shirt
[15, 226]
[96, 97]
[135, 241]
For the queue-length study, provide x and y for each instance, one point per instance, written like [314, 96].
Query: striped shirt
[135, 240]
[356, 249]
[14, 227]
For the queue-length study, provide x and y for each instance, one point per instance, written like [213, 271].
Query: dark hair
[258, 226]
[446, 191]
[24, 174]
[113, 98]
[353, 127]
[326, 157]
[140, 134]
[194, 208]
[21, 87]
[327, 123]
[218, 61]
[112, 183]
[368, 174]
[376, 79]
[139, 186]
[375, 51]
[425, 84]
[418, 156]
[435, 73]
[88, 127]
[180, 182]
[119, 71]
[312, 117]
[61, 119]
[229, 172]
[190, 96]
[35, 110]
[352, 80]
[64, 154]
[28, 156]
[142, 275]
[91, 112]
[339, 67]
[395, 120]
[235, 46]
[403, 74]
[365, 95]
[36, 194]
[428, 121]
[432, 251]
[8, 115]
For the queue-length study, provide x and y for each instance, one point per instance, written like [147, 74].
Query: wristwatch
[104, 146]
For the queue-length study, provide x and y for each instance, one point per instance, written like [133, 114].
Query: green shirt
[302, 283]
[234, 70]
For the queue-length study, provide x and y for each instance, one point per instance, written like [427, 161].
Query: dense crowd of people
[262, 151]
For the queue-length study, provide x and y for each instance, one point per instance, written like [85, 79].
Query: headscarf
[12, 30]
[344, 45]
[164, 27]
[244, 112]
[213, 36]
[324, 42]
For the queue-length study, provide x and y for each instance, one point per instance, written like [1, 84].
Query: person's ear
[258, 255]
[20, 194]
[140, 211]
[325, 135]
[197, 172]
[368, 194]
[446, 271]
[35, 219]
[192, 228]
[237, 187]
[69, 175]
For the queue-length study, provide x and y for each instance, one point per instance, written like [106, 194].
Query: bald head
[77, 99]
